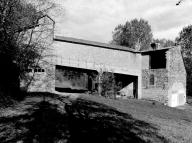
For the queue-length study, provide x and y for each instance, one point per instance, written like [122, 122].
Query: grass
[90, 119]
[173, 124]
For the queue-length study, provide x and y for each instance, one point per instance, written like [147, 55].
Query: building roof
[154, 50]
[105, 45]
[92, 43]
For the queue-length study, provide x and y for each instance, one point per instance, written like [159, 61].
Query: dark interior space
[74, 80]
[158, 59]
[125, 80]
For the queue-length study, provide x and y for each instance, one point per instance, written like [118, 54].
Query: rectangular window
[152, 79]
[28, 70]
[158, 60]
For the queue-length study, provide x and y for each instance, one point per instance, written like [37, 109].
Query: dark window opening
[158, 60]
[28, 70]
[39, 70]
[152, 79]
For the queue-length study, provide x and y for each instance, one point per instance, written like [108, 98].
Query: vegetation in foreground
[92, 119]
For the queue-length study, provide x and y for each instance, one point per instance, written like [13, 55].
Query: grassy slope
[174, 124]
[94, 119]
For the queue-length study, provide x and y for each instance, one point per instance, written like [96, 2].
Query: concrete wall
[176, 77]
[90, 57]
[169, 83]
[71, 78]
[42, 81]
[97, 58]
[145, 61]
[86, 57]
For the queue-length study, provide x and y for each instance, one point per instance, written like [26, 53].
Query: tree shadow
[95, 122]
[82, 121]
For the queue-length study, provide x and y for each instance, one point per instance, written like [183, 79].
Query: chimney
[155, 46]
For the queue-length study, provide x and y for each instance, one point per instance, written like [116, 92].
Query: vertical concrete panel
[139, 82]
[145, 61]
[176, 78]
[177, 94]
[50, 79]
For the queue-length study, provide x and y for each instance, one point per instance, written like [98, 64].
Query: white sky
[96, 19]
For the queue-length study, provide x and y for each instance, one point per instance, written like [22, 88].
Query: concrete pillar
[50, 78]
[99, 84]
[139, 92]
[139, 87]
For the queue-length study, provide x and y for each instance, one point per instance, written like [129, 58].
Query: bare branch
[179, 2]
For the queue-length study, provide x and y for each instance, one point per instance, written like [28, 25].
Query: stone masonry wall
[159, 90]
[43, 81]
[176, 76]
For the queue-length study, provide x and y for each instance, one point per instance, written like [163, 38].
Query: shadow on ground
[83, 121]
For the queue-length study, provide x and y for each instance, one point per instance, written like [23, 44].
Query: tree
[164, 42]
[135, 34]
[185, 40]
[25, 29]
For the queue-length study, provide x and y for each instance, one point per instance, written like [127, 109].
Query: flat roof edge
[161, 49]
[93, 43]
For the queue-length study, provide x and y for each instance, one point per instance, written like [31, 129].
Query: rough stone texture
[159, 90]
[170, 83]
[176, 75]
[43, 81]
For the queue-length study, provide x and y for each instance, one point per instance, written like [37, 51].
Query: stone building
[164, 76]
[155, 74]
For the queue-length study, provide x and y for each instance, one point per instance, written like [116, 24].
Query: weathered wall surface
[84, 56]
[145, 61]
[176, 77]
[97, 58]
[169, 83]
[159, 90]
[71, 78]
[43, 81]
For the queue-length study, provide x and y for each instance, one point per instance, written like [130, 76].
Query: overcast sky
[95, 19]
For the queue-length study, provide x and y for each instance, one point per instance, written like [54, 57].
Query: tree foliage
[108, 84]
[135, 34]
[185, 40]
[164, 42]
[24, 32]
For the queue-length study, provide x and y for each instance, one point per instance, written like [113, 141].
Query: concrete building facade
[156, 74]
